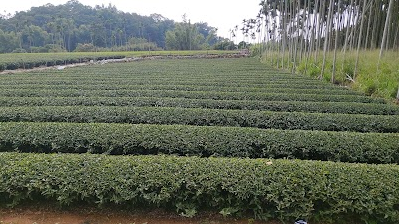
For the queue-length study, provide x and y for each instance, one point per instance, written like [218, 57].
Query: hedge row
[204, 117]
[216, 95]
[202, 141]
[132, 72]
[275, 89]
[85, 79]
[34, 84]
[21, 64]
[276, 189]
[288, 106]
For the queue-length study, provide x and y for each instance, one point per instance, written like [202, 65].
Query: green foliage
[380, 81]
[217, 95]
[9, 41]
[224, 44]
[30, 60]
[201, 96]
[203, 141]
[279, 189]
[17, 61]
[141, 44]
[19, 50]
[105, 27]
[85, 48]
[204, 117]
[185, 36]
[372, 79]
[282, 88]
[287, 106]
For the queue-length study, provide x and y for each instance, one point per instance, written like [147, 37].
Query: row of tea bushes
[285, 106]
[203, 117]
[215, 95]
[135, 87]
[266, 189]
[183, 140]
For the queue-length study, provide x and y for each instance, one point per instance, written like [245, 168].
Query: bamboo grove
[297, 33]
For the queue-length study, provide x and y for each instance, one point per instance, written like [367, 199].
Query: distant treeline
[76, 27]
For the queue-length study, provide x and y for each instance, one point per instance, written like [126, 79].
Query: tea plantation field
[227, 135]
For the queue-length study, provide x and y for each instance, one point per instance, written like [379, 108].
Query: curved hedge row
[287, 106]
[204, 117]
[201, 141]
[276, 189]
[216, 95]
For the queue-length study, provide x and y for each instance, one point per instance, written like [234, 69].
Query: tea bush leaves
[278, 189]
[204, 117]
[287, 106]
[110, 116]
[206, 141]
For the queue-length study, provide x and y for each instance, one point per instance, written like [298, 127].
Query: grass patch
[372, 78]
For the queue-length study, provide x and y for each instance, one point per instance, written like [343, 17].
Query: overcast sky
[222, 14]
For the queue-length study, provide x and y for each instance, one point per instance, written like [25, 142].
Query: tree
[72, 23]
[9, 40]
[224, 44]
[359, 42]
[386, 27]
[308, 26]
[185, 36]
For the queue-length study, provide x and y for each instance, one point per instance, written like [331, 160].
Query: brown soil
[84, 215]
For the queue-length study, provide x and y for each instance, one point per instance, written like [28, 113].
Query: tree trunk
[375, 30]
[359, 42]
[296, 37]
[354, 27]
[395, 42]
[384, 36]
[320, 27]
[284, 29]
[346, 41]
[312, 34]
[348, 25]
[291, 36]
[336, 43]
[369, 24]
[326, 37]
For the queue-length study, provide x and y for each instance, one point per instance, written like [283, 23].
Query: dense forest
[76, 27]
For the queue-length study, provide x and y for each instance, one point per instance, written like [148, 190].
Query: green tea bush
[182, 140]
[288, 106]
[204, 117]
[278, 88]
[266, 189]
[215, 95]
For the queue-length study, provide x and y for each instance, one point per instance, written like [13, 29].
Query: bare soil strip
[85, 215]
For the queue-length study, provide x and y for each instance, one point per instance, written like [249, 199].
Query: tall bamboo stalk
[336, 43]
[384, 37]
[359, 42]
[330, 10]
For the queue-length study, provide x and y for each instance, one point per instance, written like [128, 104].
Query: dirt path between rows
[49, 215]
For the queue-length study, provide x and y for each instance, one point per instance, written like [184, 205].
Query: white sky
[222, 14]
